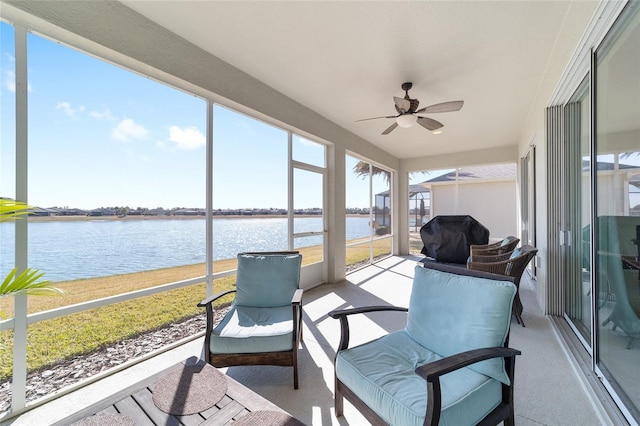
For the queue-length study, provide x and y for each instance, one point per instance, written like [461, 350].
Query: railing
[9, 324]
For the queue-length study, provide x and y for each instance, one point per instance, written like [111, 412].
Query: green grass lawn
[84, 332]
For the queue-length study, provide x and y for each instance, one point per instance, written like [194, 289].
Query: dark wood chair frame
[281, 358]
[431, 372]
[502, 264]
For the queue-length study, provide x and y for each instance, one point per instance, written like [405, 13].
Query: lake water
[66, 250]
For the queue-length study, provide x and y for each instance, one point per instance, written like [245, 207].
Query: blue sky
[103, 136]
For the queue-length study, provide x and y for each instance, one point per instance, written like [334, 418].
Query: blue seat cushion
[253, 330]
[382, 374]
[515, 253]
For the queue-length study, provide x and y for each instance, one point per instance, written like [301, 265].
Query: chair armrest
[433, 370]
[208, 305]
[213, 298]
[339, 313]
[297, 297]
[431, 373]
[485, 246]
[343, 315]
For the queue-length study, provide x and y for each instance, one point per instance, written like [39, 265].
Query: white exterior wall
[493, 204]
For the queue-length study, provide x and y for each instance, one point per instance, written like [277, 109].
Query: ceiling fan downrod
[406, 87]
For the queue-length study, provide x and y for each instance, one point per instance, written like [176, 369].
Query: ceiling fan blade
[375, 118]
[429, 123]
[390, 128]
[442, 107]
[402, 105]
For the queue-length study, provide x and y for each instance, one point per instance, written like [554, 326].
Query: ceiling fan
[408, 112]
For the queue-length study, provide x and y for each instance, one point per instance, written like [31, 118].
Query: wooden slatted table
[136, 402]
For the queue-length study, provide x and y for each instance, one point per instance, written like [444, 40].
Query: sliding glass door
[617, 235]
[528, 202]
[593, 147]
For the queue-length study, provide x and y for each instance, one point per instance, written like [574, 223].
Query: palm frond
[10, 209]
[28, 282]
[361, 169]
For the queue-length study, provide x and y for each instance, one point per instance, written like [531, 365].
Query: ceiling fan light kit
[406, 120]
[409, 114]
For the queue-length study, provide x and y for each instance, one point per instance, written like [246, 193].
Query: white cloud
[127, 130]
[9, 75]
[104, 115]
[188, 138]
[69, 110]
[9, 80]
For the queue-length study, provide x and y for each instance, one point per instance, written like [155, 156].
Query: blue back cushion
[506, 241]
[267, 280]
[451, 313]
[516, 252]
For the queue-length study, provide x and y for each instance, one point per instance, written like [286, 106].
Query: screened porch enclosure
[153, 151]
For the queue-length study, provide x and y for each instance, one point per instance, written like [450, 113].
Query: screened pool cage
[419, 209]
[419, 206]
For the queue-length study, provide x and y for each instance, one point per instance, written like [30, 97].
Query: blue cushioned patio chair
[450, 365]
[264, 324]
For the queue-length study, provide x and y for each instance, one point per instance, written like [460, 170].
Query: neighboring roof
[607, 165]
[414, 189]
[417, 189]
[493, 171]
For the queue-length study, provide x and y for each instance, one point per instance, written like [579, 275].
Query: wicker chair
[512, 264]
[505, 246]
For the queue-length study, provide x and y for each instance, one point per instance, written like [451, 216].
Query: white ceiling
[346, 60]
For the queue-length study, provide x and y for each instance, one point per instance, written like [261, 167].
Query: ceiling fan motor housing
[413, 106]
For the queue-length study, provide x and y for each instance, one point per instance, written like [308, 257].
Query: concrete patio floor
[548, 390]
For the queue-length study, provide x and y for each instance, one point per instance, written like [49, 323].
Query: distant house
[102, 212]
[157, 212]
[41, 212]
[72, 212]
[488, 193]
[189, 212]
